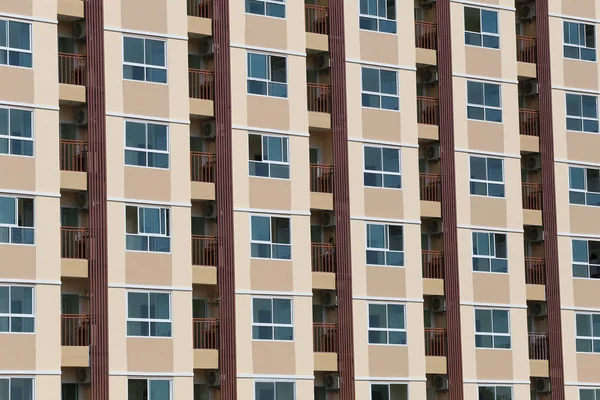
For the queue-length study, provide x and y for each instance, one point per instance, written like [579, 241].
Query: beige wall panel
[240, 113]
[47, 175]
[151, 269]
[582, 147]
[45, 49]
[381, 125]
[113, 55]
[412, 261]
[270, 194]
[150, 354]
[242, 237]
[461, 124]
[562, 199]
[415, 339]
[26, 178]
[137, 187]
[19, 262]
[389, 361]
[266, 32]
[117, 304]
[46, 386]
[20, 7]
[581, 217]
[581, 8]
[183, 358]
[356, 167]
[179, 146]
[494, 364]
[567, 283]
[485, 136]
[17, 84]
[556, 42]
[465, 257]
[587, 367]
[411, 200]
[18, 352]
[467, 319]
[301, 257]
[268, 112]
[570, 356]
[386, 281]
[271, 275]
[457, 27]
[47, 327]
[154, 15]
[181, 246]
[360, 309]
[358, 236]
[275, 357]
[378, 47]
[384, 203]
[586, 293]
[144, 98]
[243, 336]
[519, 343]
[580, 74]
[483, 61]
[115, 157]
[47, 239]
[241, 180]
[178, 72]
[482, 214]
[491, 288]
[116, 242]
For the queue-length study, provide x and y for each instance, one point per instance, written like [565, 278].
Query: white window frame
[382, 172]
[581, 118]
[269, 75]
[167, 227]
[146, 149]
[387, 330]
[585, 191]
[379, 18]
[487, 182]
[388, 384]
[10, 315]
[8, 49]
[275, 382]
[285, 142]
[482, 33]
[270, 242]
[582, 264]
[380, 94]
[9, 378]
[279, 3]
[10, 138]
[385, 249]
[579, 46]
[492, 250]
[273, 325]
[492, 334]
[596, 391]
[148, 379]
[16, 224]
[590, 338]
[144, 65]
[484, 107]
[149, 320]
[512, 392]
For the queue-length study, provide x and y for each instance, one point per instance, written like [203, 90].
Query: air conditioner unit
[438, 304]
[430, 75]
[427, 2]
[323, 61]
[209, 130]
[539, 309]
[432, 153]
[535, 235]
[83, 376]
[79, 30]
[81, 116]
[327, 219]
[542, 385]
[329, 298]
[440, 383]
[82, 201]
[530, 88]
[435, 226]
[527, 11]
[534, 163]
[332, 381]
[213, 378]
[210, 210]
[207, 48]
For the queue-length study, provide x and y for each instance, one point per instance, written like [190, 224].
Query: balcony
[425, 35]
[321, 178]
[430, 187]
[72, 77]
[427, 110]
[529, 122]
[433, 264]
[202, 175]
[199, 14]
[204, 250]
[538, 346]
[75, 339]
[323, 257]
[73, 155]
[206, 343]
[74, 251]
[325, 345]
[532, 196]
[526, 56]
[202, 91]
[435, 350]
[316, 19]
[319, 105]
[535, 271]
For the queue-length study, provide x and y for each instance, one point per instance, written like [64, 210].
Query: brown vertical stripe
[224, 194]
[448, 169]
[557, 378]
[341, 198]
[98, 257]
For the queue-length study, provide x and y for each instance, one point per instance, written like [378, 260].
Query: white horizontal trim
[498, 381]
[574, 18]
[585, 309]
[389, 379]
[29, 105]
[580, 90]
[488, 153]
[275, 212]
[148, 118]
[28, 18]
[386, 220]
[583, 384]
[153, 374]
[30, 282]
[483, 5]
[268, 130]
[149, 287]
[579, 235]
[393, 299]
[149, 202]
[492, 305]
[489, 228]
[32, 372]
[267, 50]
[144, 33]
[382, 65]
[581, 163]
[272, 293]
[29, 193]
[383, 143]
[277, 377]
[485, 78]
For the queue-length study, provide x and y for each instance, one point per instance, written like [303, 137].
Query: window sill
[482, 47]
[149, 82]
[267, 96]
[379, 108]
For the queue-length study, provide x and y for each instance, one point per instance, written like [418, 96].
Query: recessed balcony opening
[201, 68]
[72, 50]
[322, 236]
[204, 233]
[425, 24]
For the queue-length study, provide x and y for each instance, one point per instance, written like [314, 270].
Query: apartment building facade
[285, 200]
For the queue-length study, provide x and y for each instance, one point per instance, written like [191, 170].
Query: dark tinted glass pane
[369, 100]
[472, 19]
[369, 24]
[489, 21]
[276, 10]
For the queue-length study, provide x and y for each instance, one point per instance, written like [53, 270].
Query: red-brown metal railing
[529, 122]
[75, 330]
[433, 264]
[316, 19]
[532, 195]
[538, 346]
[435, 342]
[430, 186]
[202, 84]
[325, 337]
[427, 110]
[73, 155]
[199, 8]
[321, 178]
[425, 35]
[74, 242]
[323, 257]
[202, 166]
[206, 333]
[319, 97]
[72, 69]
[535, 271]
[204, 250]
[526, 49]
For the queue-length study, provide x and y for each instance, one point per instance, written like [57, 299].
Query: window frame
[387, 329]
[285, 141]
[144, 65]
[379, 94]
[492, 334]
[579, 46]
[10, 138]
[269, 74]
[581, 117]
[281, 2]
[10, 315]
[272, 325]
[16, 224]
[587, 264]
[32, 378]
[8, 49]
[489, 257]
[596, 391]
[270, 242]
[382, 173]
[378, 19]
[148, 379]
[483, 106]
[487, 181]
[481, 33]
[388, 384]
[385, 249]
[495, 387]
[149, 320]
[168, 228]
[585, 190]
[591, 338]
[146, 150]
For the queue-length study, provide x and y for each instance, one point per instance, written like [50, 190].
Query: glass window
[487, 176]
[481, 28]
[268, 156]
[15, 44]
[587, 336]
[16, 220]
[584, 186]
[582, 113]
[272, 319]
[16, 132]
[579, 41]
[382, 167]
[495, 393]
[489, 252]
[385, 245]
[270, 237]
[271, 8]
[492, 329]
[378, 15]
[589, 394]
[16, 388]
[484, 101]
[144, 59]
[16, 309]
[586, 259]
[146, 145]
[389, 391]
[149, 314]
[148, 389]
[147, 229]
[387, 324]
[380, 89]
[267, 75]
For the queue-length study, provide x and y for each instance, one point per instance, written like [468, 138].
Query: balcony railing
[202, 84]
[319, 97]
[427, 110]
[538, 346]
[435, 342]
[529, 122]
[425, 35]
[202, 166]
[526, 49]
[535, 271]
[316, 19]
[532, 195]
[433, 264]
[73, 155]
[199, 8]
[72, 69]
[74, 242]
[323, 257]
[430, 187]
[75, 330]
[206, 333]
[321, 178]
[204, 250]
[325, 337]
